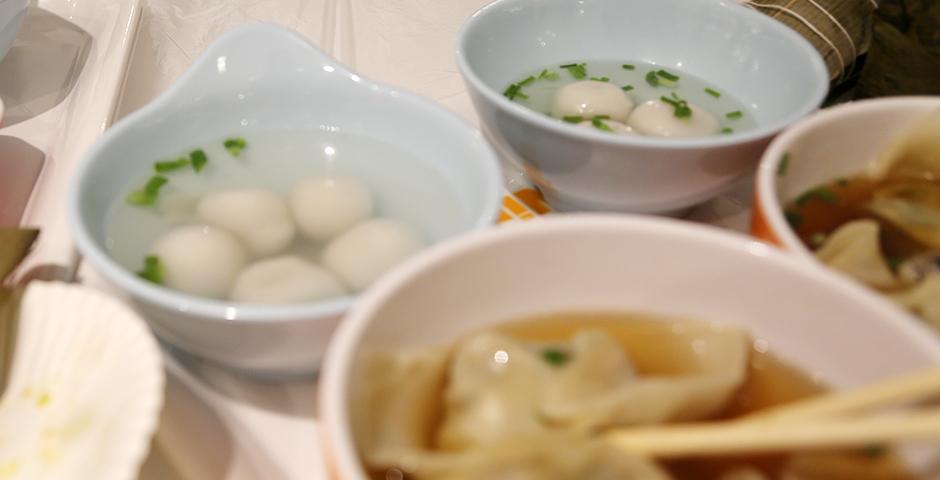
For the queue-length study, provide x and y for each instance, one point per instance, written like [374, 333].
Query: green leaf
[235, 146]
[198, 159]
[170, 165]
[735, 114]
[148, 194]
[152, 271]
[714, 93]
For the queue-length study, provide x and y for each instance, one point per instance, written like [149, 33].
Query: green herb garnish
[727, 130]
[784, 165]
[152, 270]
[627, 66]
[626, 88]
[199, 159]
[599, 124]
[668, 76]
[235, 146]
[148, 194]
[548, 75]
[170, 165]
[601, 79]
[714, 93]
[734, 114]
[526, 81]
[577, 70]
[652, 79]
[573, 118]
[512, 91]
[793, 218]
[820, 193]
[555, 357]
[680, 107]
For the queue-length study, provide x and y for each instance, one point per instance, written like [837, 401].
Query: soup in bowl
[644, 106]
[244, 209]
[513, 350]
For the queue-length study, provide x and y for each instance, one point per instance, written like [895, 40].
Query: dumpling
[912, 207]
[200, 260]
[362, 254]
[855, 249]
[589, 99]
[657, 118]
[285, 279]
[325, 207]
[258, 217]
[923, 299]
[915, 154]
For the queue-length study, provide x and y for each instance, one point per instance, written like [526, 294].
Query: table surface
[217, 424]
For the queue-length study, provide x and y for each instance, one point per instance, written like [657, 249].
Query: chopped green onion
[526, 81]
[714, 93]
[668, 76]
[627, 66]
[548, 75]
[652, 79]
[199, 159]
[235, 146]
[602, 117]
[556, 357]
[784, 164]
[727, 130]
[819, 193]
[152, 270]
[793, 218]
[601, 79]
[599, 124]
[680, 107]
[577, 70]
[573, 118]
[148, 194]
[626, 88]
[170, 165]
[734, 114]
[512, 91]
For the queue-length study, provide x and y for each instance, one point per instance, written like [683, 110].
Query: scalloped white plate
[85, 391]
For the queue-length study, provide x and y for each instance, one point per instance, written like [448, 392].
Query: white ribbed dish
[86, 388]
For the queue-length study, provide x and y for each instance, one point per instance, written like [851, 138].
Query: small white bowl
[834, 143]
[253, 78]
[771, 69]
[85, 389]
[818, 322]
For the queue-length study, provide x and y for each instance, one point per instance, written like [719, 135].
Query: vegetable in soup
[635, 98]
[532, 400]
[279, 217]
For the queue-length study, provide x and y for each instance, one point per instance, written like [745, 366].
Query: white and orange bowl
[85, 388]
[820, 323]
[837, 142]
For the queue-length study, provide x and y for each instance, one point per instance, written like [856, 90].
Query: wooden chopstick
[752, 437]
[824, 421]
[909, 388]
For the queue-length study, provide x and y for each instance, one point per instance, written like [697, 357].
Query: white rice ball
[366, 251]
[589, 98]
[657, 118]
[285, 279]
[258, 217]
[200, 260]
[325, 207]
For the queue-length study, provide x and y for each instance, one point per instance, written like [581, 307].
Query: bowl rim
[336, 434]
[214, 310]
[766, 193]
[812, 100]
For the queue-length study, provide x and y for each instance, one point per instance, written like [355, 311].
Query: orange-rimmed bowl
[833, 143]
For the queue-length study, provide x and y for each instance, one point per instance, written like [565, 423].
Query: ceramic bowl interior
[12, 13]
[839, 142]
[766, 66]
[820, 323]
[261, 78]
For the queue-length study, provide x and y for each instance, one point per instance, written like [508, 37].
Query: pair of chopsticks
[831, 420]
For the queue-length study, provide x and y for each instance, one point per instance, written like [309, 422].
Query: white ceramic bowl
[11, 18]
[262, 77]
[85, 390]
[771, 69]
[834, 143]
[818, 322]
